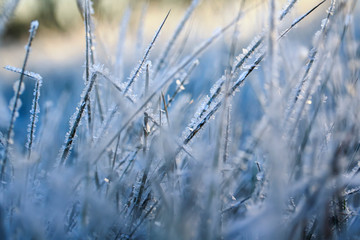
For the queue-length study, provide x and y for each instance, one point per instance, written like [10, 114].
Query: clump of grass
[138, 69]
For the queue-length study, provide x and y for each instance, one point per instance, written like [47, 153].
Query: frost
[324, 22]
[260, 176]
[35, 110]
[34, 25]
[149, 64]
[99, 68]
[26, 73]
[351, 191]
[246, 53]
[137, 71]
[241, 78]
[204, 105]
[176, 34]
[76, 120]
[198, 122]
[290, 5]
[210, 104]
[216, 88]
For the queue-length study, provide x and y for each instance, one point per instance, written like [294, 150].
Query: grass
[270, 151]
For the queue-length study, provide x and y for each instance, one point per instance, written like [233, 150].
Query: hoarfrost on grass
[34, 25]
[34, 112]
[26, 73]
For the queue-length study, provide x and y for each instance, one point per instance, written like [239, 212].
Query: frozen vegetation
[269, 151]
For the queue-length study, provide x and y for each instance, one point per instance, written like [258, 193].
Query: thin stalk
[74, 127]
[296, 21]
[138, 69]
[146, 116]
[33, 27]
[147, 80]
[175, 36]
[306, 78]
[116, 151]
[89, 56]
[97, 89]
[34, 117]
[227, 135]
[90, 59]
[115, 85]
[28, 74]
[165, 108]
[210, 113]
[287, 8]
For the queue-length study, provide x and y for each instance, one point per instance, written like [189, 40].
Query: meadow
[210, 120]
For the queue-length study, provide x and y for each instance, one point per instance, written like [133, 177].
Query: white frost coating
[99, 68]
[324, 22]
[149, 63]
[26, 73]
[215, 93]
[289, 6]
[247, 52]
[34, 25]
[217, 86]
[35, 110]
[211, 104]
[351, 191]
[136, 72]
